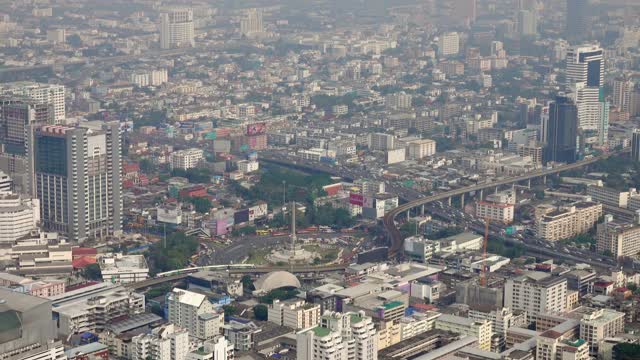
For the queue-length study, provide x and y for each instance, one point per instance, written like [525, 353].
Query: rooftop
[320, 331]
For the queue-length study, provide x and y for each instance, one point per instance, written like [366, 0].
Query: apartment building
[195, 313]
[496, 212]
[449, 44]
[296, 314]
[339, 336]
[480, 329]
[177, 28]
[599, 324]
[218, 348]
[419, 149]
[186, 159]
[42, 94]
[382, 142]
[417, 323]
[536, 293]
[90, 308]
[568, 221]
[550, 345]
[610, 196]
[167, 342]
[501, 318]
[618, 238]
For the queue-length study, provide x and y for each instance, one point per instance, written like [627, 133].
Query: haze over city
[320, 180]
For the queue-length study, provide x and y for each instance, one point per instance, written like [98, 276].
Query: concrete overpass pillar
[422, 210]
[544, 179]
[529, 183]
[449, 201]
[408, 215]
[496, 189]
[481, 194]
[462, 201]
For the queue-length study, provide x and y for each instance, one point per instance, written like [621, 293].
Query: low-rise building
[296, 314]
[551, 345]
[124, 269]
[618, 238]
[186, 159]
[495, 212]
[610, 196]
[568, 221]
[599, 324]
[481, 329]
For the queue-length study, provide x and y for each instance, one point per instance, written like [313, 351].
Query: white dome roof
[276, 280]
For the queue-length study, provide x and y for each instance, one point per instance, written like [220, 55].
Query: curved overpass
[389, 218]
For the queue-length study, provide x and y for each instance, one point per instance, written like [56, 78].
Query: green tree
[261, 312]
[202, 205]
[92, 272]
[175, 255]
[229, 310]
[247, 283]
[147, 166]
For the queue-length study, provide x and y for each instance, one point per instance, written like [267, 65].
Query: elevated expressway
[396, 240]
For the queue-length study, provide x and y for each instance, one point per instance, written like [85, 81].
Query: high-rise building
[17, 114]
[527, 23]
[41, 93]
[18, 217]
[635, 145]
[194, 312]
[618, 238]
[622, 89]
[536, 293]
[296, 314]
[75, 172]
[577, 20]
[464, 11]
[449, 44]
[27, 329]
[599, 324]
[252, 22]
[561, 131]
[603, 125]
[585, 81]
[167, 342]
[176, 29]
[348, 336]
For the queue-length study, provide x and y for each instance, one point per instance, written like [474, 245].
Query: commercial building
[536, 293]
[176, 28]
[124, 269]
[17, 114]
[241, 335]
[577, 22]
[91, 308]
[382, 142]
[50, 94]
[420, 249]
[561, 131]
[348, 336]
[635, 145]
[449, 44]
[622, 89]
[598, 324]
[568, 221]
[27, 329]
[218, 348]
[398, 101]
[585, 78]
[39, 288]
[167, 342]
[77, 177]
[618, 238]
[417, 323]
[527, 22]
[296, 314]
[481, 329]
[501, 318]
[195, 313]
[18, 217]
[186, 159]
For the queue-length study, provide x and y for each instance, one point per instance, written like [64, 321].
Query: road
[389, 219]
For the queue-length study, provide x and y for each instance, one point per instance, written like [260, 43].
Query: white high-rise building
[449, 44]
[622, 89]
[186, 159]
[18, 217]
[194, 312]
[585, 79]
[252, 22]
[164, 343]
[527, 22]
[348, 336]
[176, 29]
[42, 93]
[536, 293]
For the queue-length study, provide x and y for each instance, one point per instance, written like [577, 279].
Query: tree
[92, 272]
[261, 312]
[74, 40]
[147, 166]
[247, 283]
[202, 205]
[229, 310]
[539, 194]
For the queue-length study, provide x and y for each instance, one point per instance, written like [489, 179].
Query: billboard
[356, 199]
[256, 128]
[241, 216]
[257, 211]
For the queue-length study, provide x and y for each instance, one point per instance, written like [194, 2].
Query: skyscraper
[76, 174]
[527, 23]
[577, 20]
[41, 93]
[622, 89]
[635, 145]
[252, 22]
[17, 114]
[585, 80]
[562, 131]
[176, 29]
[464, 11]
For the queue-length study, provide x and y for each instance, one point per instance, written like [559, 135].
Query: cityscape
[320, 180]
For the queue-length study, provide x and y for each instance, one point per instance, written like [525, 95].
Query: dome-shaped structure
[276, 280]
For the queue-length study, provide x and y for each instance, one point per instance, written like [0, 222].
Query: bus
[263, 232]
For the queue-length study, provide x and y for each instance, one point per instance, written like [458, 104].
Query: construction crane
[483, 275]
